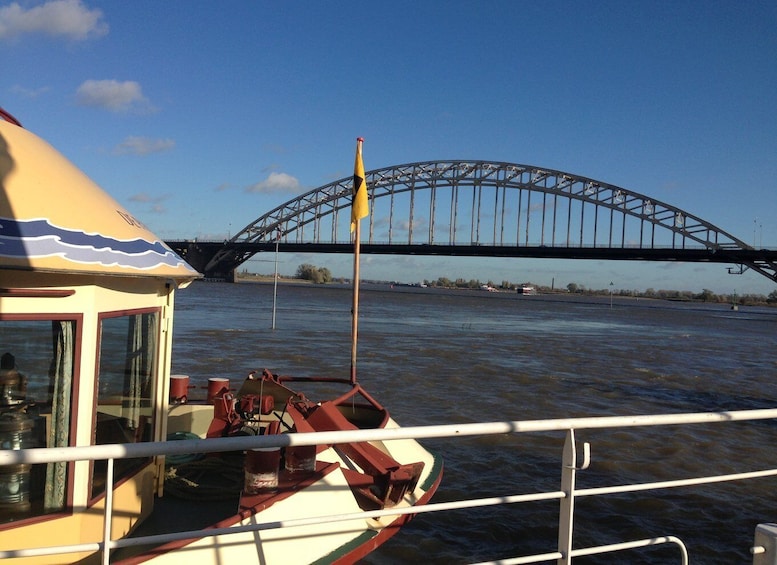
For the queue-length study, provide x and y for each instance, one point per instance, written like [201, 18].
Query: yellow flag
[360, 207]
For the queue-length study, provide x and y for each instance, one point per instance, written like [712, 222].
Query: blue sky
[201, 116]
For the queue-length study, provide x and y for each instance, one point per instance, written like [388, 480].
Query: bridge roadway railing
[575, 458]
[199, 253]
[697, 252]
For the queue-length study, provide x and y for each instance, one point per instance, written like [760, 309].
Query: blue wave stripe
[23, 239]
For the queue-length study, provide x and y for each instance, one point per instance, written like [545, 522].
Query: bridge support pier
[198, 255]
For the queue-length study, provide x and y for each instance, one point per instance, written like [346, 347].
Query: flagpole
[359, 209]
[355, 307]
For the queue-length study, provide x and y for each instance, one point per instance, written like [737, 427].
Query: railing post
[108, 514]
[566, 518]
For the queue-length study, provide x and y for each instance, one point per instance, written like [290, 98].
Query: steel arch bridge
[483, 208]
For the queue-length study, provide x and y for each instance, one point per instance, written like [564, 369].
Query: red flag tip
[360, 139]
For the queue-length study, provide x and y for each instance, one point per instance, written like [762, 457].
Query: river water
[435, 357]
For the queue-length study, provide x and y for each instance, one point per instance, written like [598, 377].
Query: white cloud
[276, 182]
[134, 145]
[58, 18]
[113, 95]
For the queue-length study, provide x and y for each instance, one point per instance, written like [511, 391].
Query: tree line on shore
[322, 275]
[706, 295]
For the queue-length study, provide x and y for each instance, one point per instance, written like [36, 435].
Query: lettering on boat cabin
[130, 219]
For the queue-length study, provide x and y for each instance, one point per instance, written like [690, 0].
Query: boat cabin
[86, 303]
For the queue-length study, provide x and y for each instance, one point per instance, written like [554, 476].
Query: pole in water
[275, 279]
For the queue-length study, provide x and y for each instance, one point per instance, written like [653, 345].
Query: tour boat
[104, 457]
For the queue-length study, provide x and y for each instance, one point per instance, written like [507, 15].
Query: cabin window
[37, 372]
[125, 388]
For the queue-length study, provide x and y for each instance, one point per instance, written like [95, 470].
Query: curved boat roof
[54, 218]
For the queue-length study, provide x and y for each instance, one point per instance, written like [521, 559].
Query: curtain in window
[61, 384]
[141, 349]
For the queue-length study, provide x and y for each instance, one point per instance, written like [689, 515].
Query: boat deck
[216, 501]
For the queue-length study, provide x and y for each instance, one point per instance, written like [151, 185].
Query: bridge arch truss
[486, 203]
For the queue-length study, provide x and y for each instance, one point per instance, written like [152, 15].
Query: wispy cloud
[276, 148]
[29, 92]
[68, 19]
[155, 202]
[135, 145]
[276, 182]
[671, 186]
[113, 95]
[145, 198]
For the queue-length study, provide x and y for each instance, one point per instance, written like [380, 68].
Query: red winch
[379, 481]
[234, 417]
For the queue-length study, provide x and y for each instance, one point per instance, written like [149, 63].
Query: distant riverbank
[542, 294]
[310, 274]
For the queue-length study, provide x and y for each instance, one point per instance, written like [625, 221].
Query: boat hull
[296, 502]
[309, 513]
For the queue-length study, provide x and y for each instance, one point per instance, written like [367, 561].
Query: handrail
[566, 494]
[184, 447]
[598, 550]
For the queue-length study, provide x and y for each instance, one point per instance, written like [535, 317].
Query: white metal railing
[572, 461]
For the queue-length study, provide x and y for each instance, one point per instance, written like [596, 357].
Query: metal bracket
[572, 458]
[764, 549]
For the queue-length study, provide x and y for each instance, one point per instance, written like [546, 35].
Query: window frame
[94, 497]
[78, 320]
